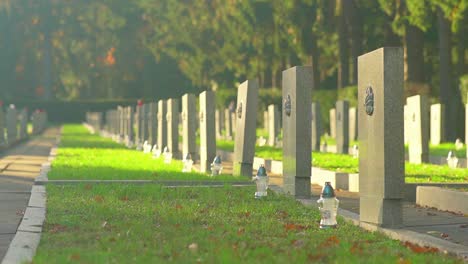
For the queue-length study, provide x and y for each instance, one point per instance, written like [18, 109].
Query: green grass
[150, 224]
[85, 156]
[444, 148]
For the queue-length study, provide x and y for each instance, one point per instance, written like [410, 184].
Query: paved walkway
[18, 168]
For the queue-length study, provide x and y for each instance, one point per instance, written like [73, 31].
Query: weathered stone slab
[316, 126]
[273, 124]
[219, 116]
[228, 123]
[437, 123]
[353, 124]
[266, 119]
[418, 111]
[172, 118]
[406, 123]
[297, 94]
[189, 113]
[332, 114]
[139, 123]
[246, 115]
[207, 130]
[152, 123]
[162, 124]
[381, 148]
[342, 127]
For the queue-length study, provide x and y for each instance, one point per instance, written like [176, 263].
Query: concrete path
[18, 168]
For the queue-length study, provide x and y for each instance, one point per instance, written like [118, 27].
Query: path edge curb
[28, 235]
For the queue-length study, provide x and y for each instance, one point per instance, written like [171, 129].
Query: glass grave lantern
[156, 151]
[452, 160]
[146, 147]
[188, 162]
[328, 206]
[216, 166]
[167, 155]
[262, 182]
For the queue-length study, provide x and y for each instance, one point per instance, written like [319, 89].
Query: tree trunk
[356, 38]
[343, 64]
[448, 93]
[414, 54]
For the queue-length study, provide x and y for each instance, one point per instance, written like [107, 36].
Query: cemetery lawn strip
[122, 223]
[83, 156]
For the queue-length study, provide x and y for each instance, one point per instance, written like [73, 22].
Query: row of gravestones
[225, 121]
[381, 131]
[14, 124]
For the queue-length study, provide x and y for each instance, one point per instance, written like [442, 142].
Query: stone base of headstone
[386, 212]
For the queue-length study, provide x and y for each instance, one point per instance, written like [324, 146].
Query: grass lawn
[82, 155]
[149, 224]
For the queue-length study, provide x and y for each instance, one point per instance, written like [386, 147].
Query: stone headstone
[2, 127]
[234, 121]
[219, 116]
[145, 122]
[437, 124]
[162, 125]
[342, 127]
[381, 149]
[353, 124]
[228, 121]
[273, 124]
[139, 124]
[189, 113]
[152, 122]
[130, 116]
[297, 94]
[245, 136]
[332, 115]
[172, 118]
[418, 133]
[11, 123]
[316, 126]
[121, 117]
[266, 119]
[207, 130]
[23, 121]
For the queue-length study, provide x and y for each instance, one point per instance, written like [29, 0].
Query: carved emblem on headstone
[239, 110]
[369, 101]
[287, 105]
[201, 116]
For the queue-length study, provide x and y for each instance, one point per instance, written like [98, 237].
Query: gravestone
[162, 125]
[172, 118]
[273, 124]
[332, 115]
[219, 115]
[130, 137]
[381, 149]
[189, 112]
[233, 121]
[245, 136]
[2, 126]
[297, 146]
[228, 121]
[152, 123]
[11, 123]
[139, 123]
[144, 122]
[418, 134]
[406, 123]
[121, 116]
[316, 126]
[342, 127]
[23, 122]
[437, 123]
[353, 124]
[266, 119]
[207, 130]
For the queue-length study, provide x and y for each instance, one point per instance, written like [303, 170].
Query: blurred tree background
[113, 49]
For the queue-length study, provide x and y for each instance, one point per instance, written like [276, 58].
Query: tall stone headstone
[189, 112]
[273, 124]
[266, 119]
[316, 126]
[172, 118]
[2, 126]
[207, 130]
[23, 122]
[219, 116]
[121, 117]
[145, 122]
[353, 124]
[11, 123]
[381, 149]
[332, 114]
[406, 123]
[342, 127]
[228, 123]
[245, 136]
[297, 94]
[139, 123]
[418, 140]
[130, 116]
[152, 122]
[162, 125]
[437, 123]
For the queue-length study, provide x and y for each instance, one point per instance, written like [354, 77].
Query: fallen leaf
[88, 186]
[125, 198]
[178, 206]
[356, 248]
[314, 258]
[444, 235]
[464, 226]
[57, 228]
[401, 260]
[418, 249]
[98, 198]
[331, 241]
[282, 214]
[294, 227]
[240, 231]
[193, 247]
[75, 257]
